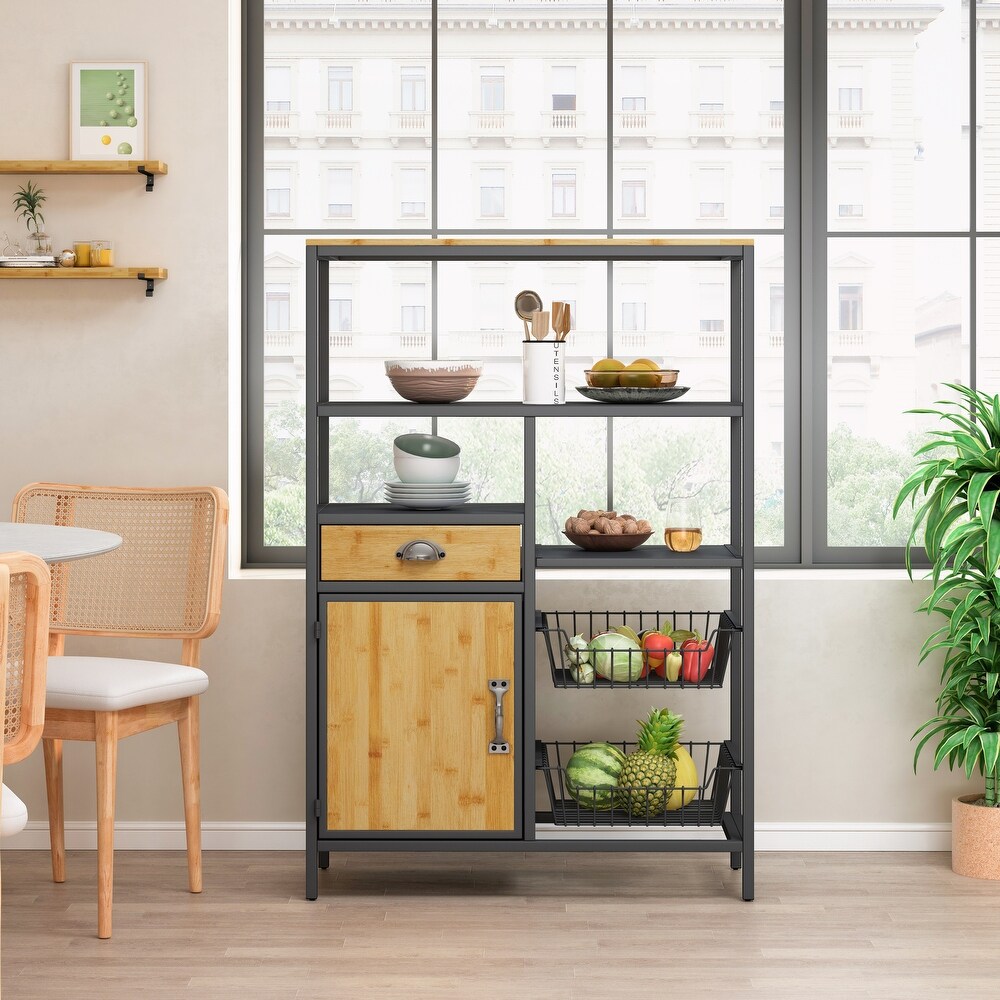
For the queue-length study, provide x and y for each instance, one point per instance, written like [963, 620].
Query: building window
[849, 94]
[851, 199]
[414, 88]
[493, 305]
[775, 88]
[564, 88]
[711, 82]
[341, 308]
[340, 188]
[276, 307]
[491, 193]
[712, 193]
[278, 192]
[340, 88]
[277, 88]
[849, 299]
[413, 298]
[412, 186]
[491, 88]
[633, 310]
[777, 308]
[712, 305]
[776, 193]
[632, 86]
[564, 194]
[633, 195]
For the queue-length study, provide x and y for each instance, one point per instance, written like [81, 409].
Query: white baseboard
[169, 836]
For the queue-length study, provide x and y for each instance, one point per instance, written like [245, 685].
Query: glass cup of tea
[683, 530]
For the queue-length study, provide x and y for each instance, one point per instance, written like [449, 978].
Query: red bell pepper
[696, 658]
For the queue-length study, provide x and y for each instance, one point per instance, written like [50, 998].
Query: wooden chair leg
[53, 752]
[107, 769]
[189, 736]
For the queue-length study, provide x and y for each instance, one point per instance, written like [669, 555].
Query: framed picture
[107, 111]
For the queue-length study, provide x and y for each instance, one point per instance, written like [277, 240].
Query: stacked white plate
[429, 496]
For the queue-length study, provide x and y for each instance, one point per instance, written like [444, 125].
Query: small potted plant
[955, 492]
[27, 205]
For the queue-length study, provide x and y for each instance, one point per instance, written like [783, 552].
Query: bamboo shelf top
[555, 242]
[81, 166]
[85, 273]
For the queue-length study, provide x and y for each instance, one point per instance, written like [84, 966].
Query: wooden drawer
[472, 552]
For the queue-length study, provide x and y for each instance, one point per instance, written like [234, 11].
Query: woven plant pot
[975, 838]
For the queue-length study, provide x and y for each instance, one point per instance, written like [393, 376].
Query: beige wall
[99, 384]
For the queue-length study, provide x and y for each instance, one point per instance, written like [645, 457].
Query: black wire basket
[704, 801]
[700, 667]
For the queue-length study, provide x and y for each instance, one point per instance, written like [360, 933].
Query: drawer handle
[420, 550]
[499, 689]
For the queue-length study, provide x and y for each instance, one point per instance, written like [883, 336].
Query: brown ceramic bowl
[608, 543]
[434, 388]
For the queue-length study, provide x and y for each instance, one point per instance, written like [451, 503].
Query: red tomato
[696, 658]
[655, 647]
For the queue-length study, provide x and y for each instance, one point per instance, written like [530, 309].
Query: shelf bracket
[149, 285]
[149, 175]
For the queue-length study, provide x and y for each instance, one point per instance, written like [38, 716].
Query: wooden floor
[502, 927]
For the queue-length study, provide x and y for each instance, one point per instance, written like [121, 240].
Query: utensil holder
[544, 371]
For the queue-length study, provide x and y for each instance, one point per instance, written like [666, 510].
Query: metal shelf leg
[324, 860]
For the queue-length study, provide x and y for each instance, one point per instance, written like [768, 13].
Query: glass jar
[683, 528]
[102, 253]
[82, 250]
[39, 244]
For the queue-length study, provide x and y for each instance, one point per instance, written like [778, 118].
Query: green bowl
[427, 445]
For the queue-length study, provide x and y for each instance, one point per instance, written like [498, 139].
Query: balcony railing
[490, 125]
[851, 341]
[771, 126]
[351, 343]
[849, 125]
[338, 125]
[284, 342]
[634, 124]
[281, 123]
[562, 125]
[710, 125]
[713, 341]
[409, 125]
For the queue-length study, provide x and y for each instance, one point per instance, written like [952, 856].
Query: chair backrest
[163, 581]
[27, 626]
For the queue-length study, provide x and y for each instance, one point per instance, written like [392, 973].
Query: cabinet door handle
[420, 550]
[499, 688]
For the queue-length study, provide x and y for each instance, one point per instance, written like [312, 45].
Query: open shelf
[378, 513]
[146, 168]
[645, 557]
[146, 274]
[392, 408]
[715, 765]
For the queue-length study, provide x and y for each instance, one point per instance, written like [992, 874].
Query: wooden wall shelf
[147, 274]
[148, 168]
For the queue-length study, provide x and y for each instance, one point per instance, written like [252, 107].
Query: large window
[510, 119]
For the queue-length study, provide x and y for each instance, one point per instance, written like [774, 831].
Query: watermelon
[592, 774]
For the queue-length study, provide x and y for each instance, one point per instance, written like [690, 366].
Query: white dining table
[54, 543]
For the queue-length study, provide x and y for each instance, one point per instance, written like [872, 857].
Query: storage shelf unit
[145, 168]
[720, 817]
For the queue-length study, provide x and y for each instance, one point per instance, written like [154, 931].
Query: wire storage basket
[704, 802]
[700, 664]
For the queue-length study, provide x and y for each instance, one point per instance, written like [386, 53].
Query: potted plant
[955, 492]
[27, 205]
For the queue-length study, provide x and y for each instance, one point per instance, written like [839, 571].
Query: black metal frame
[735, 752]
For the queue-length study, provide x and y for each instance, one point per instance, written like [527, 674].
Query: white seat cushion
[110, 683]
[13, 813]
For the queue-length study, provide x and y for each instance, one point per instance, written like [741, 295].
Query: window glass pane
[898, 110]
[492, 456]
[508, 100]
[413, 192]
[898, 330]
[566, 483]
[340, 185]
[988, 315]
[352, 91]
[491, 192]
[278, 192]
[987, 115]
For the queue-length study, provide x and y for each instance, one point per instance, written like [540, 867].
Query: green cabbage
[616, 657]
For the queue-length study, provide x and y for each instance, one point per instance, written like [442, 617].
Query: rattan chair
[24, 624]
[164, 581]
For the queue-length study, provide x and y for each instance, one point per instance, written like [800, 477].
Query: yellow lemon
[106, 139]
[645, 363]
[687, 778]
[608, 365]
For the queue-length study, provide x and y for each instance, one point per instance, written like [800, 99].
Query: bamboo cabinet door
[410, 714]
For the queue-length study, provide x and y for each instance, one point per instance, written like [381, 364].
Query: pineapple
[649, 774]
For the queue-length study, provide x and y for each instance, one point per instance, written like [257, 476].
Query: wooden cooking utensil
[561, 319]
[540, 324]
[525, 303]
